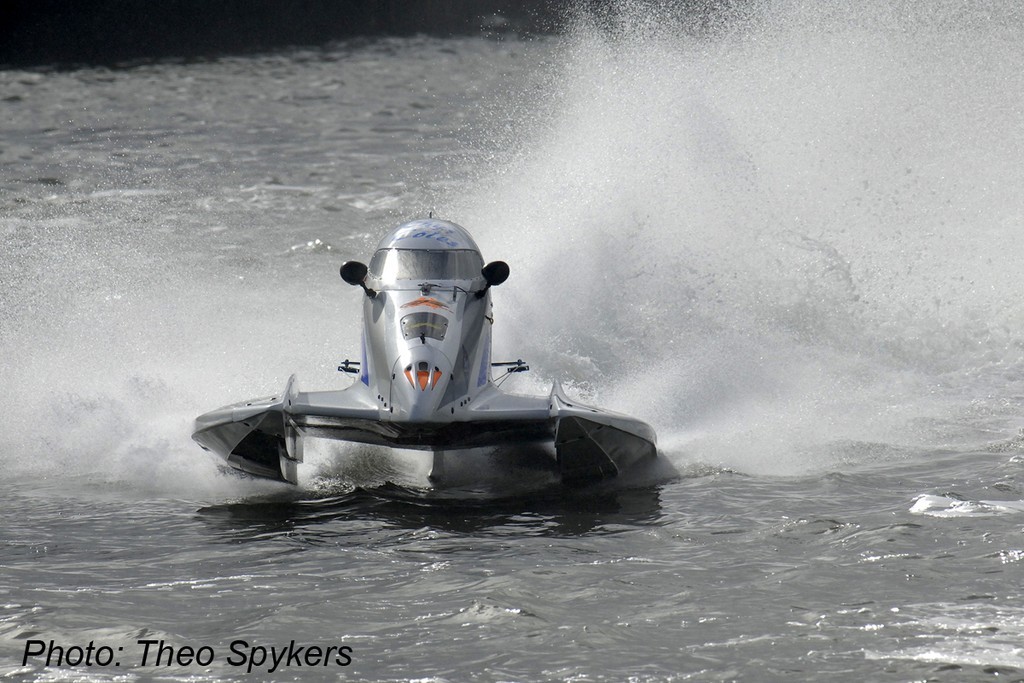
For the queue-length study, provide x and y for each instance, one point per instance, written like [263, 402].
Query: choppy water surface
[791, 242]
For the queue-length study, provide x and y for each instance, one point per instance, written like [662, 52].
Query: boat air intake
[422, 377]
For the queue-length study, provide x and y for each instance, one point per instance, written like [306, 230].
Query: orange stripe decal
[429, 302]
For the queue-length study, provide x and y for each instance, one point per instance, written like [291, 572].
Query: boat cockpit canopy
[390, 265]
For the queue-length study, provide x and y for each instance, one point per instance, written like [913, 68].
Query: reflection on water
[554, 511]
[506, 491]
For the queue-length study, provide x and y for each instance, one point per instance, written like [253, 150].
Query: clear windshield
[424, 264]
[430, 325]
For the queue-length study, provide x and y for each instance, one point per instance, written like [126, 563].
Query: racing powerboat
[424, 380]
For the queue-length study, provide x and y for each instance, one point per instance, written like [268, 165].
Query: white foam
[944, 506]
[962, 634]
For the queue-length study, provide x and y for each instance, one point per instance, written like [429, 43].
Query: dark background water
[104, 32]
[791, 243]
[112, 32]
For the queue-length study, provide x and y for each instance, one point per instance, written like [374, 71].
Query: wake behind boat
[425, 377]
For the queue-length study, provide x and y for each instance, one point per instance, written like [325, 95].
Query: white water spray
[790, 239]
[784, 240]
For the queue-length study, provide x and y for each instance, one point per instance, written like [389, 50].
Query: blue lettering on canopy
[430, 230]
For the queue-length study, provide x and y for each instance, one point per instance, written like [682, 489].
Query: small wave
[313, 246]
[304, 190]
[484, 612]
[946, 506]
[972, 635]
[128, 193]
